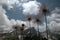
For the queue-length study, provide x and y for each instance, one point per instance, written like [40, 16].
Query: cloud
[4, 21]
[54, 15]
[3, 16]
[19, 22]
[24, 1]
[54, 27]
[31, 7]
[9, 3]
[54, 20]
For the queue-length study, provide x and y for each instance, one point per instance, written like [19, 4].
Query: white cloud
[31, 7]
[54, 20]
[9, 3]
[3, 2]
[7, 24]
[3, 17]
[19, 22]
[4, 21]
[24, 0]
[54, 26]
[55, 15]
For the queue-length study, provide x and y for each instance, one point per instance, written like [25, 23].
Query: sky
[14, 12]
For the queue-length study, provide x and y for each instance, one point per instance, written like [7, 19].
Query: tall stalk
[17, 35]
[30, 30]
[45, 10]
[46, 26]
[37, 30]
[16, 29]
[22, 36]
[29, 20]
[37, 21]
[22, 31]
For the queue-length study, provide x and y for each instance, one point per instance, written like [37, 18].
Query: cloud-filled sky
[14, 12]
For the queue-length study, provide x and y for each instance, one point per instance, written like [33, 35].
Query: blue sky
[13, 12]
